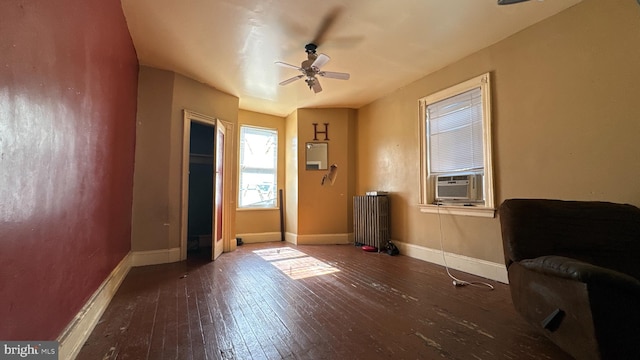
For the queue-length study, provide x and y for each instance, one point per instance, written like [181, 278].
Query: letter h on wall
[316, 132]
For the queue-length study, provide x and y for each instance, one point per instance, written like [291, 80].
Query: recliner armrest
[569, 268]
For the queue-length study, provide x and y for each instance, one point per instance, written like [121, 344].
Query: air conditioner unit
[459, 187]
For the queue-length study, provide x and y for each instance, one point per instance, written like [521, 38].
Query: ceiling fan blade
[289, 81]
[326, 24]
[287, 65]
[335, 75]
[509, 2]
[320, 61]
[316, 86]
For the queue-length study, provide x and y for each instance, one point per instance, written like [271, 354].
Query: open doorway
[204, 217]
[201, 195]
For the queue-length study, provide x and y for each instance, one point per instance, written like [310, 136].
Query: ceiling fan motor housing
[307, 68]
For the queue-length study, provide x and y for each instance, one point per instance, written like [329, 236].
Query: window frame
[427, 180]
[240, 170]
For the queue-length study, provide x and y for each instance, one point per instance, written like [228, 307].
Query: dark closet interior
[200, 220]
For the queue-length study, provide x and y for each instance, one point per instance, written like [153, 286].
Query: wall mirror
[317, 156]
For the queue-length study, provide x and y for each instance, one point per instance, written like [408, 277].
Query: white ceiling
[232, 45]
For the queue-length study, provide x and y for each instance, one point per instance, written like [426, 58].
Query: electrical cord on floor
[456, 281]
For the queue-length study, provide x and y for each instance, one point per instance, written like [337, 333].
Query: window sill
[257, 208]
[478, 211]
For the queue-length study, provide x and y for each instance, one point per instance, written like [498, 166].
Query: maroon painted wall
[68, 80]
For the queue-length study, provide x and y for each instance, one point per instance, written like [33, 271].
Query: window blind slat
[455, 133]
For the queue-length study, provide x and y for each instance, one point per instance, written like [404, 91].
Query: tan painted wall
[566, 124]
[262, 220]
[326, 209]
[157, 182]
[351, 169]
[151, 175]
[291, 175]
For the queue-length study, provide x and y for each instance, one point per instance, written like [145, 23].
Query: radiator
[371, 221]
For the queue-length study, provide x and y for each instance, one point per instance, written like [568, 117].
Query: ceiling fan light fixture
[509, 2]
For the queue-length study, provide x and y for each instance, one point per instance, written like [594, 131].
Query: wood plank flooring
[265, 301]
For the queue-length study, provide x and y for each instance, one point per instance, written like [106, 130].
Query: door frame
[189, 116]
[219, 195]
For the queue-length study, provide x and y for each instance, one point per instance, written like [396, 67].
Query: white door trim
[189, 116]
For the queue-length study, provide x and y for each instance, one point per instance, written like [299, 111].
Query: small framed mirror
[317, 156]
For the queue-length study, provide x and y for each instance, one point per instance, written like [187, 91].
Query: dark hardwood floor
[280, 301]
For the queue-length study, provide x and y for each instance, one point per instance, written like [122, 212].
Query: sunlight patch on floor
[279, 253]
[295, 263]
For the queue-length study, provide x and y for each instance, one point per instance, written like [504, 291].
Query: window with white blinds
[258, 167]
[454, 127]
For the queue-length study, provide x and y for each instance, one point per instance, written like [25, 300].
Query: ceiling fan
[312, 67]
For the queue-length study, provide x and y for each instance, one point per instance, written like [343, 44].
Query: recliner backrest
[601, 233]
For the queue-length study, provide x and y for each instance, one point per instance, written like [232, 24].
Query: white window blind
[454, 129]
[258, 167]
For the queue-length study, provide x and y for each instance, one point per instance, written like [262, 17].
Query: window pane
[454, 127]
[258, 157]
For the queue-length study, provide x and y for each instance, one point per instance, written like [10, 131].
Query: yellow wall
[566, 124]
[262, 224]
[162, 96]
[324, 211]
[313, 213]
[291, 175]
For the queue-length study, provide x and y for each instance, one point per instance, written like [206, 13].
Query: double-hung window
[258, 167]
[456, 145]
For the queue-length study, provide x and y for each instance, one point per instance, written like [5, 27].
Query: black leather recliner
[574, 273]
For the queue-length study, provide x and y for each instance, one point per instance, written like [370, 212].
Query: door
[217, 160]
[218, 190]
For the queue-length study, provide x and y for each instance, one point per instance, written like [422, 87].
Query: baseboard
[260, 237]
[323, 239]
[291, 238]
[483, 268]
[79, 329]
[154, 257]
